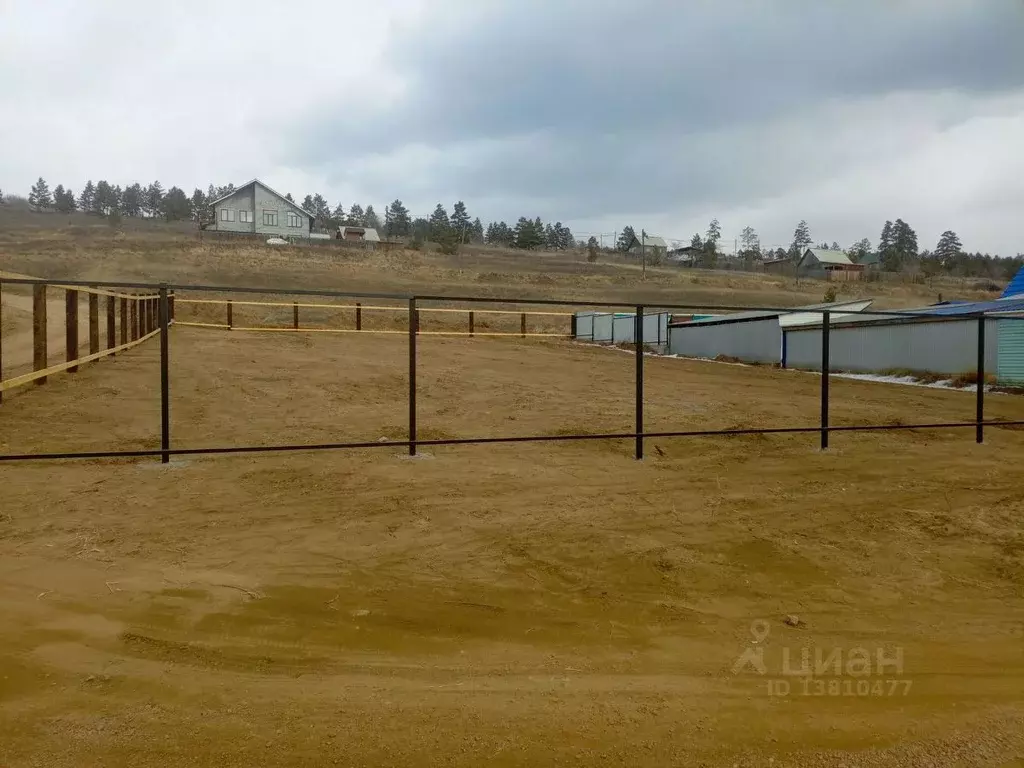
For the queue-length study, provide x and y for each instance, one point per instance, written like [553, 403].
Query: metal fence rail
[161, 321]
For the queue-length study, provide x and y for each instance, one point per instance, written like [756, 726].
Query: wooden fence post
[295, 315]
[231, 321]
[111, 324]
[359, 316]
[133, 318]
[94, 323]
[39, 356]
[471, 323]
[522, 324]
[124, 320]
[71, 328]
[170, 306]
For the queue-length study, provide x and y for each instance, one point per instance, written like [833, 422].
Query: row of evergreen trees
[105, 199]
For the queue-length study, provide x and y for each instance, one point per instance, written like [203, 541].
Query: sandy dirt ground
[539, 604]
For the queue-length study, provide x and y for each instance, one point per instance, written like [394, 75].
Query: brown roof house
[827, 265]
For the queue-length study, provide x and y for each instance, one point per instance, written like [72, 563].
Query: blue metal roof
[999, 305]
[1016, 285]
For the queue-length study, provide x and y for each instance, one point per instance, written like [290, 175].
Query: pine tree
[696, 242]
[949, 247]
[714, 234]
[153, 199]
[307, 205]
[39, 198]
[289, 197]
[85, 200]
[460, 220]
[104, 201]
[626, 239]
[397, 219]
[355, 215]
[904, 240]
[477, 229]
[132, 200]
[338, 216]
[370, 218]
[801, 240]
[859, 250]
[439, 224]
[321, 210]
[592, 249]
[835, 246]
[176, 206]
[200, 205]
[885, 240]
[750, 241]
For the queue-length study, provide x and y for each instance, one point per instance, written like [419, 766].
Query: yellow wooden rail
[353, 330]
[364, 306]
[28, 378]
[80, 289]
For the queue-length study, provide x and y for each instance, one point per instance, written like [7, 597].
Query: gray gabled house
[256, 208]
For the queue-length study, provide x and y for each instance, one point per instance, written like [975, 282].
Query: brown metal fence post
[94, 323]
[124, 320]
[295, 315]
[1, 341]
[164, 312]
[111, 324]
[71, 328]
[825, 367]
[134, 311]
[231, 321]
[413, 330]
[979, 402]
[359, 316]
[39, 355]
[471, 330]
[638, 337]
[522, 324]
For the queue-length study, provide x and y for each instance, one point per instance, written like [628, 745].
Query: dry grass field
[526, 604]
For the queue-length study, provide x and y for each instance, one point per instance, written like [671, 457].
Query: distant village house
[827, 265]
[257, 209]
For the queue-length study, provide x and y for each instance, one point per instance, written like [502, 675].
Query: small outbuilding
[828, 265]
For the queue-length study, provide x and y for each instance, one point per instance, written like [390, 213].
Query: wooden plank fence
[137, 323]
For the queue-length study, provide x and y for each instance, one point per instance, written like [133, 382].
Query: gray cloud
[592, 111]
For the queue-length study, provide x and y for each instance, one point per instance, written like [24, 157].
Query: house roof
[1016, 286]
[829, 257]
[369, 233]
[651, 241]
[796, 316]
[274, 192]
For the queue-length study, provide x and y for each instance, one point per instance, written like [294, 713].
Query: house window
[270, 218]
[245, 217]
[227, 214]
[294, 220]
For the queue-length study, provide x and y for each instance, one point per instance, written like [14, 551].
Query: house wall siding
[268, 201]
[948, 346]
[753, 341]
[257, 199]
[241, 200]
[1011, 352]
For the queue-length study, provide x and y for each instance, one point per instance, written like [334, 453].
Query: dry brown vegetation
[550, 603]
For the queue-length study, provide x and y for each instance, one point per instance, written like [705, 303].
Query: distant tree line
[897, 249]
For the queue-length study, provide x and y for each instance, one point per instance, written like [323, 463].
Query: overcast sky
[598, 113]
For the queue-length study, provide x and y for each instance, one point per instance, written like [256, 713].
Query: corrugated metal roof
[1013, 304]
[829, 257]
[651, 241]
[1016, 286]
[796, 316]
